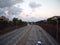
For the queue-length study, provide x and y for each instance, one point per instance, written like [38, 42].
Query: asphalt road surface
[28, 35]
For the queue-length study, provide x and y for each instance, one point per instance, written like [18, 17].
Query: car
[39, 43]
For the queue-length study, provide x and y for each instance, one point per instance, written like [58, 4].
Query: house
[3, 18]
[55, 17]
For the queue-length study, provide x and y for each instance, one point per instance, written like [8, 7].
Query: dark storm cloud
[7, 8]
[14, 11]
[34, 5]
[2, 12]
[10, 12]
[8, 3]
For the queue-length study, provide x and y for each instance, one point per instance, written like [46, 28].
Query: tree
[15, 20]
[3, 21]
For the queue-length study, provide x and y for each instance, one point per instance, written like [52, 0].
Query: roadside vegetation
[50, 26]
[7, 25]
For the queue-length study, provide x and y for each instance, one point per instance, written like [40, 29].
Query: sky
[29, 10]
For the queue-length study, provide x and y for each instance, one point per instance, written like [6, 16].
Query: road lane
[32, 37]
[28, 35]
[12, 38]
[24, 38]
[38, 34]
[49, 40]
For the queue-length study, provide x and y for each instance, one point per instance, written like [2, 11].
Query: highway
[28, 35]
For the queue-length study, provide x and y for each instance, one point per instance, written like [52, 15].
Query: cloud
[8, 3]
[31, 19]
[34, 19]
[2, 11]
[8, 9]
[11, 8]
[14, 11]
[34, 5]
[10, 16]
[10, 12]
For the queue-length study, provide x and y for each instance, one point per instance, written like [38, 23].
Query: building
[3, 18]
[55, 17]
